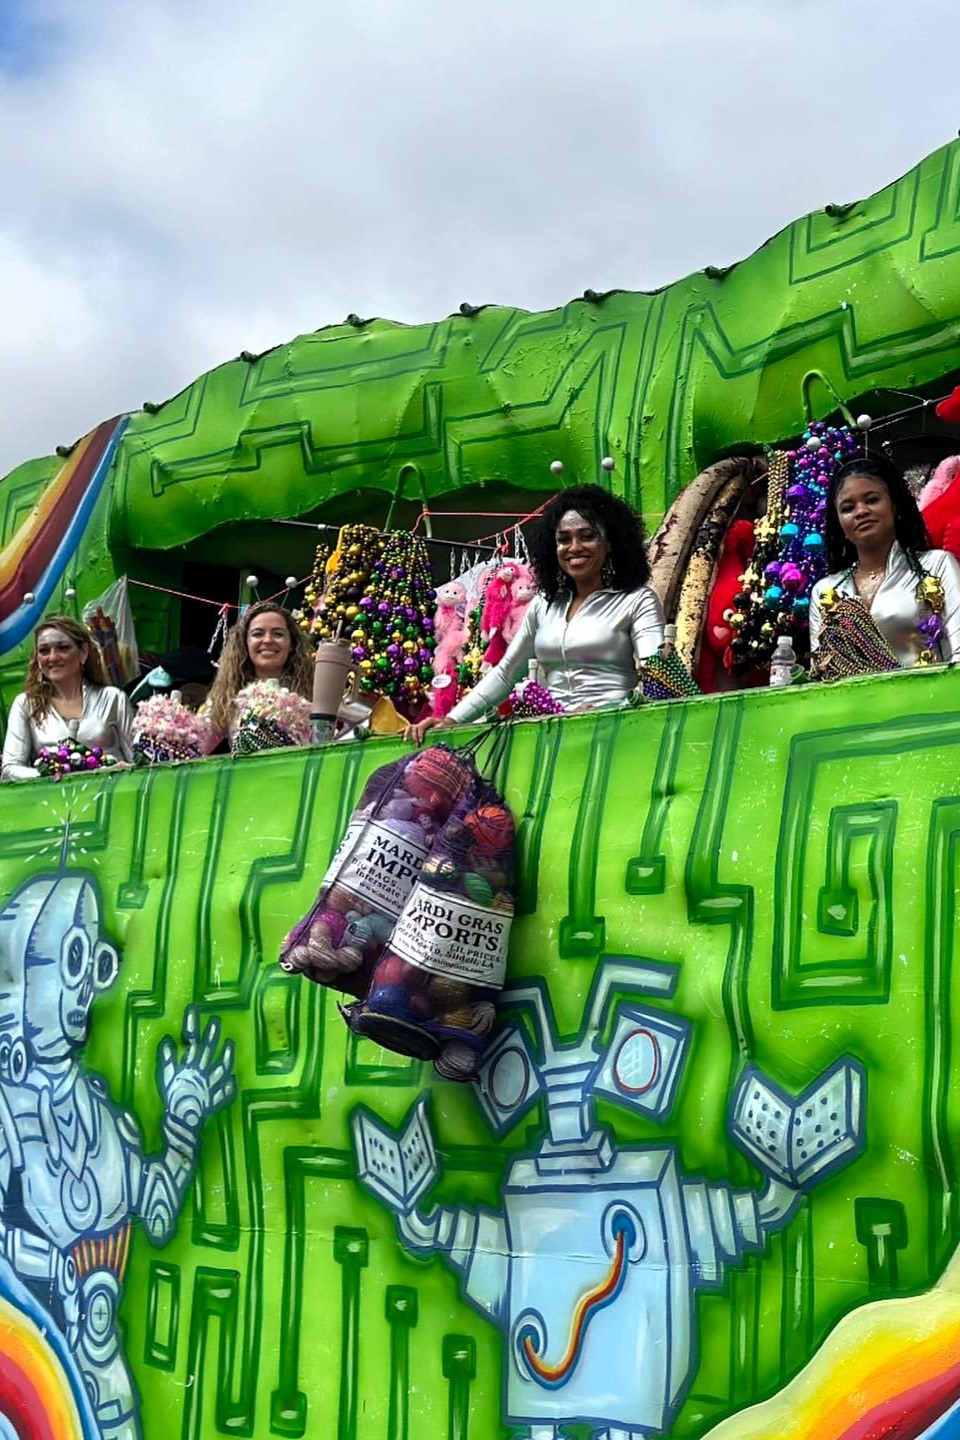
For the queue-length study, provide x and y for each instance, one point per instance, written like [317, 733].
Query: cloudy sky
[184, 179]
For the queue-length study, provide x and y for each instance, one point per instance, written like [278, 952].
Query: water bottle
[783, 662]
[669, 644]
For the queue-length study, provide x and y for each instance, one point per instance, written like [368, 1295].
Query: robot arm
[192, 1087]
[796, 1141]
[398, 1170]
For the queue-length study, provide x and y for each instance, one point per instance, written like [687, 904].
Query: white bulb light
[290, 581]
[253, 581]
[71, 592]
[556, 467]
[864, 422]
[607, 463]
[29, 597]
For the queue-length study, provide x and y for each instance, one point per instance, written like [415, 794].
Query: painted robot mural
[338, 424]
[706, 1184]
[73, 1172]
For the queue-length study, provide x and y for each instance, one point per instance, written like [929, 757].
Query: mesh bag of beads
[434, 991]
[390, 835]
[850, 642]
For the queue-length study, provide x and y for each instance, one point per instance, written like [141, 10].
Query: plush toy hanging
[939, 503]
[379, 859]
[497, 604]
[450, 633]
[716, 657]
[522, 591]
[433, 993]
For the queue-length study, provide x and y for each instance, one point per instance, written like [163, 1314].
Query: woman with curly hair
[593, 619]
[66, 692]
[266, 644]
[879, 552]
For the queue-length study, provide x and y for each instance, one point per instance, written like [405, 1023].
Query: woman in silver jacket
[66, 693]
[879, 552]
[594, 619]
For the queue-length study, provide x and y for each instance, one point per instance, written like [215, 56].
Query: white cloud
[187, 178]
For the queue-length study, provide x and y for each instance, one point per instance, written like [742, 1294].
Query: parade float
[705, 1181]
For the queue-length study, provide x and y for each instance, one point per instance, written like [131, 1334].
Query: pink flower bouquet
[166, 732]
[269, 718]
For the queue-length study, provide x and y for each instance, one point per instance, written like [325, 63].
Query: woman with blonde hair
[66, 693]
[266, 644]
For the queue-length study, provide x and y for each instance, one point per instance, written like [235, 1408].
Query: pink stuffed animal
[450, 631]
[497, 600]
[939, 502]
[524, 589]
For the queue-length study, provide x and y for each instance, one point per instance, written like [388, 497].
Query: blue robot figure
[592, 1266]
[73, 1171]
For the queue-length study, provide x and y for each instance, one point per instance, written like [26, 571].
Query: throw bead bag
[433, 993]
[389, 837]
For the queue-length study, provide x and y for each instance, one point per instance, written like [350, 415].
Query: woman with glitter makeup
[879, 552]
[594, 618]
[66, 692]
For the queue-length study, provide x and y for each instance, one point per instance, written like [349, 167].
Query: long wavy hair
[615, 520]
[236, 668]
[908, 524]
[38, 690]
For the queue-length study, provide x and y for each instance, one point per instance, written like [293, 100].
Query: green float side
[793, 855]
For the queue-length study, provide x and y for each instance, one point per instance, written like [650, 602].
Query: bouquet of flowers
[165, 732]
[71, 757]
[269, 717]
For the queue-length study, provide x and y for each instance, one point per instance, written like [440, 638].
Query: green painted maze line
[582, 933]
[215, 1301]
[534, 817]
[647, 871]
[288, 1403]
[943, 855]
[149, 1004]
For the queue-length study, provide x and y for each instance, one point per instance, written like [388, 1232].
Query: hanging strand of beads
[313, 590]
[392, 638]
[348, 573]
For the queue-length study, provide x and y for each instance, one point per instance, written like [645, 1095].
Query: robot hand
[199, 1084]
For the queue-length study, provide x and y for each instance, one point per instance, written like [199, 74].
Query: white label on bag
[452, 936]
[376, 864]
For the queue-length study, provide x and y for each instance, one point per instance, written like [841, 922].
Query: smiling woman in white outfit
[66, 693]
[879, 552]
[594, 620]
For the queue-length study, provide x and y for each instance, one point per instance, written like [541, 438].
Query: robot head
[638, 1067]
[53, 959]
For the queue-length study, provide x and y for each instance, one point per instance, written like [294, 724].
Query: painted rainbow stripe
[37, 556]
[42, 1395]
[889, 1371]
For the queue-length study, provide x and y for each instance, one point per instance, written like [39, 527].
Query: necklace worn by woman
[868, 582]
[930, 598]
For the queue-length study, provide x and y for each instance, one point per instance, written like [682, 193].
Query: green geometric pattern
[796, 861]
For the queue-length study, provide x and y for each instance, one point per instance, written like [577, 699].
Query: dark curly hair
[908, 525]
[613, 517]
